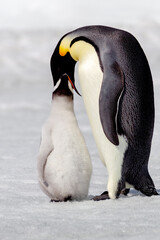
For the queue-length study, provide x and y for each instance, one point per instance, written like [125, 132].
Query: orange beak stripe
[71, 82]
[73, 86]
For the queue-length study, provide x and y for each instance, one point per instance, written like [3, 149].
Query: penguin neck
[62, 103]
[81, 50]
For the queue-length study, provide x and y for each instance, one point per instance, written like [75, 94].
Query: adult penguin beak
[72, 84]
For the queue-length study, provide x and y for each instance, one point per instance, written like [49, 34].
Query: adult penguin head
[62, 64]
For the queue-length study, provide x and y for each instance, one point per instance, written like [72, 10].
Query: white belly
[90, 76]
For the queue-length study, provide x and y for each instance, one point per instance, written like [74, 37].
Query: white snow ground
[25, 95]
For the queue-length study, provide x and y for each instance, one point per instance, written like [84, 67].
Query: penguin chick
[64, 165]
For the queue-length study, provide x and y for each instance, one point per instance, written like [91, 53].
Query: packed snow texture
[25, 100]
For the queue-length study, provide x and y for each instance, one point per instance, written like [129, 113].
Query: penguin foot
[103, 196]
[69, 198]
[53, 200]
[125, 191]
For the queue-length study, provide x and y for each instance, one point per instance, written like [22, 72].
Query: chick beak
[73, 86]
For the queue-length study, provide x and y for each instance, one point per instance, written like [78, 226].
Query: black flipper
[111, 90]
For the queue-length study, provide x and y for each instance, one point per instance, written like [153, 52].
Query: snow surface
[25, 96]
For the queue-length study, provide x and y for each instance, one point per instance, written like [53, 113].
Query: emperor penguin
[64, 165]
[117, 90]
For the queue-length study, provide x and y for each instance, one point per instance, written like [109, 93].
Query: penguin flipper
[111, 90]
[46, 147]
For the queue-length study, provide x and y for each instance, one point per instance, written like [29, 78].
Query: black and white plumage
[117, 90]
